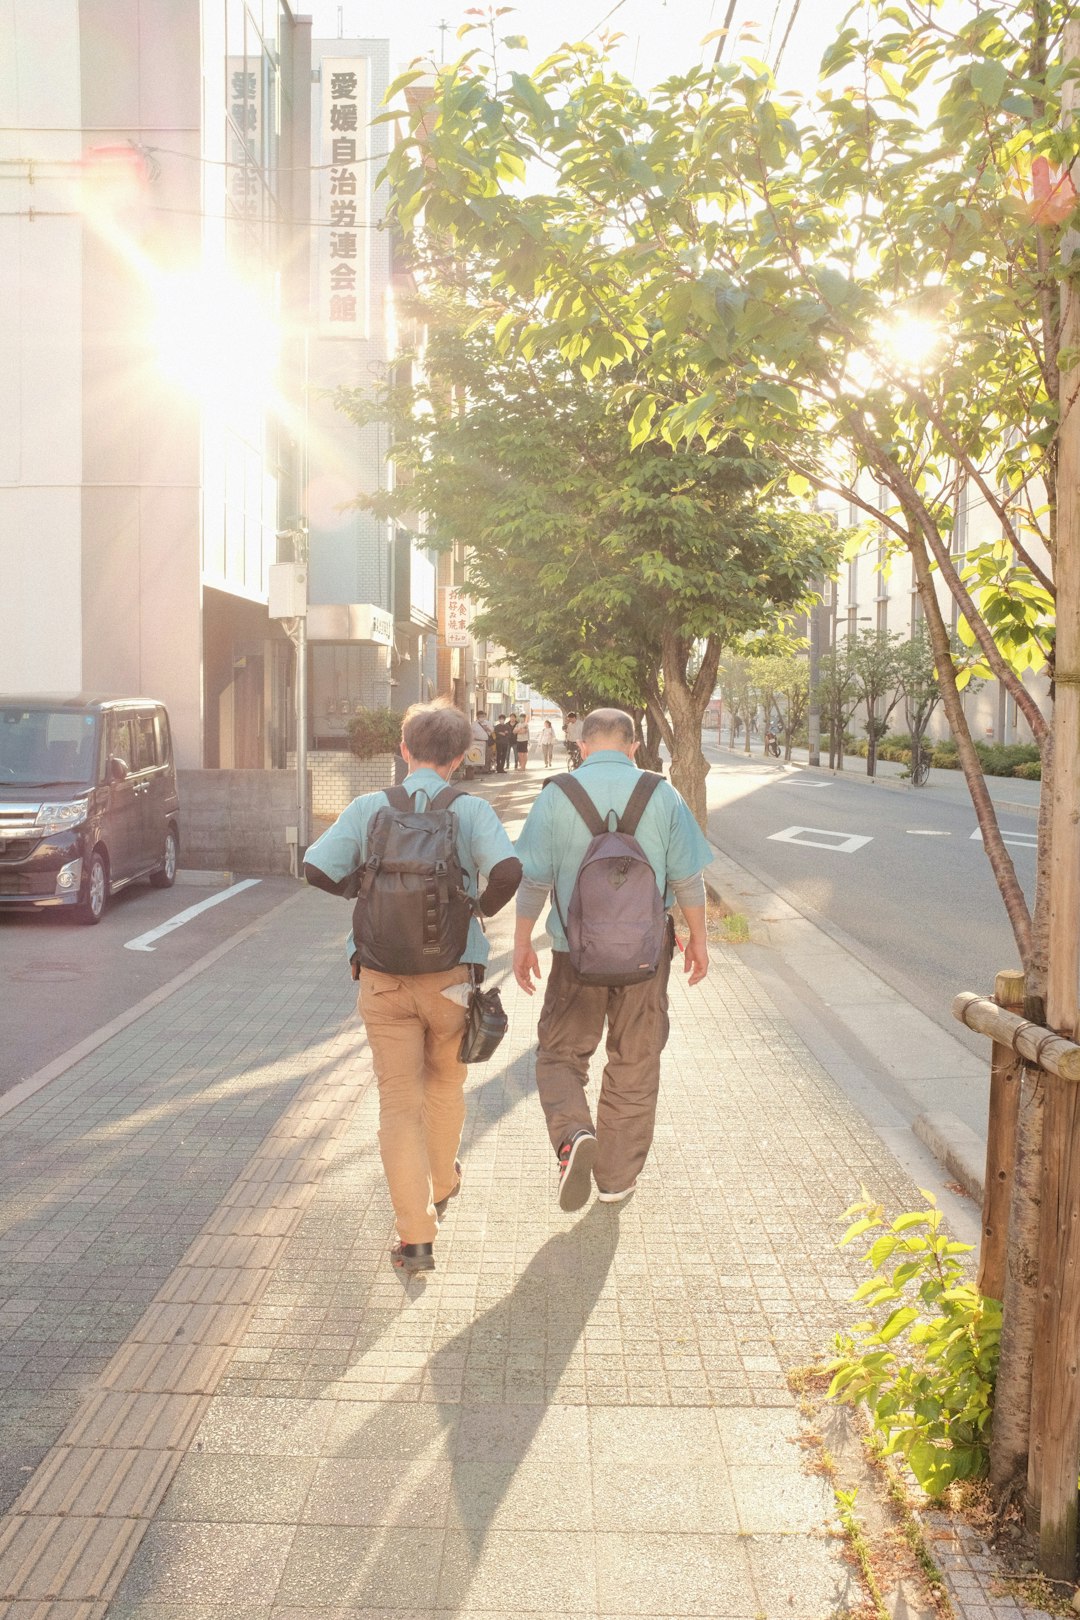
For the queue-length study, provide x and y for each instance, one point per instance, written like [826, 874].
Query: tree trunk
[686, 706]
[651, 737]
[1010, 1436]
[996, 851]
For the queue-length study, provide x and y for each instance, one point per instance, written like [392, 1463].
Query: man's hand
[696, 958]
[526, 967]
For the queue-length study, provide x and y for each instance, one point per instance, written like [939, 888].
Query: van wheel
[91, 907]
[165, 876]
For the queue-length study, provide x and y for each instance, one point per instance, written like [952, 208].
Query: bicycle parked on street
[919, 769]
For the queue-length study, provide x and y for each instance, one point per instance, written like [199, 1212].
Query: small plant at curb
[924, 1363]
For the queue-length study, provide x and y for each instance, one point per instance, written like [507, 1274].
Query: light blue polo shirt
[554, 839]
[482, 843]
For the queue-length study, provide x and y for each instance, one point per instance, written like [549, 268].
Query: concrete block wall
[235, 821]
[338, 778]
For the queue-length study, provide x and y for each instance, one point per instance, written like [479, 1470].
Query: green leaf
[988, 80]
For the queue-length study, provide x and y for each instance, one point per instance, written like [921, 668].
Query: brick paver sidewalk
[219, 1400]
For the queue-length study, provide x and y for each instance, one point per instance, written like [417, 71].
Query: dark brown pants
[571, 1024]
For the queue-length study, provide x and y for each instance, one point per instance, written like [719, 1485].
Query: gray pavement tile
[510, 1433]
[228, 1564]
[541, 1492]
[664, 1574]
[774, 1500]
[760, 1436]
[370, 1491]
[344, 1565]
[239, 1489]
[804, 1577]
[251, 1427]
[519, 1571]
[390, 1429]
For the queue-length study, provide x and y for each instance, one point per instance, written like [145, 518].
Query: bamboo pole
[1036, 1045]
[1055, 1407]
[1005, 1071]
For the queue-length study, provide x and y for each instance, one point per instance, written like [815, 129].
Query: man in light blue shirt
[414, 1029]
[552, 845]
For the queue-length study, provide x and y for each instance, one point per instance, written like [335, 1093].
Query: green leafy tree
[838, 694]
[875, 665]
[636, 566]
[860, 282]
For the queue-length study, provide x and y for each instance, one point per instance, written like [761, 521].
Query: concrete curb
[956, 1146]
[190, 877]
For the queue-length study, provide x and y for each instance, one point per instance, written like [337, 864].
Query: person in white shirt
[521, 742]
[547, 743]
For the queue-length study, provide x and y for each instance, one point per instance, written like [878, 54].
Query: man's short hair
[436, 733]
[613, 723]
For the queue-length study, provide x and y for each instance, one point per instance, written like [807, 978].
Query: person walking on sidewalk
[404, 920]
[521, 742]
[547, 743]
[504, 738]
[553, 844]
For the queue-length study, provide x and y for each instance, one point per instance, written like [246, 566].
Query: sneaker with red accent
[575, 1170]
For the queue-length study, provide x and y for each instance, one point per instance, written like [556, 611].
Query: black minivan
[88, 800]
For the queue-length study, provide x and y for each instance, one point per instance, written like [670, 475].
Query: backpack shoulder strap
[446, 796]
[644, 788]
[397, 798]
[581, 802]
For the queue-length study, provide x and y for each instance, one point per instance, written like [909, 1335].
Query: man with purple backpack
[614, 847]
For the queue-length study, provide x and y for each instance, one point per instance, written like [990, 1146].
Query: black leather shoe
[412, 1257]
[440, 1207]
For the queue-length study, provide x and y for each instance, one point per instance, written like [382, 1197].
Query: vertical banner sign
[455, 617]
[245, 134]
[344, 184]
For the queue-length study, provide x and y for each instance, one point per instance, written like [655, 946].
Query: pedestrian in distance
[484, 736]
[521, 743]
[614, 847]
[415, 858]
[572, 735]
[547, 743]
[504, 741]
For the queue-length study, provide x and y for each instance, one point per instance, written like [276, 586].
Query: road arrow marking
[845, 843]
[143, 941]
[927, 832]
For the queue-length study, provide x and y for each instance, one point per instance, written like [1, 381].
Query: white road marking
[927, 832]
[143, 941]
[846, 843]
[796, 779]
[1022, 840]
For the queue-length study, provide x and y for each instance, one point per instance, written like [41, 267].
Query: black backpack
[413, 908]
[616, 926]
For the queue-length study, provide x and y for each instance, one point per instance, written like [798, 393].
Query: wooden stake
[1005, 1070]
[1055, 1409]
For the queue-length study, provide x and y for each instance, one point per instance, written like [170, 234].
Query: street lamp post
[813, 713]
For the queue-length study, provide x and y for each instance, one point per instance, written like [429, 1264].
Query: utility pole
[1055, 1407]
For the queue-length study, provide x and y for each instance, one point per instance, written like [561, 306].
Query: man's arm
[538, 861]
[690, 893]
[334, 861]
[496, 864]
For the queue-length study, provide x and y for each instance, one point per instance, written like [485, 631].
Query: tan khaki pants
[414, 1034]
[571, 1025]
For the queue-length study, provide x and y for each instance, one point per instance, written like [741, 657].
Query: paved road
[916, 900]
[59, 982]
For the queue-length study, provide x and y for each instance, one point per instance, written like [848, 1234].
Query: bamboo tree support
[1005, 1071]
[1055, 1402]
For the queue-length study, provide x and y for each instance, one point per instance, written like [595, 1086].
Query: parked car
[88, 800]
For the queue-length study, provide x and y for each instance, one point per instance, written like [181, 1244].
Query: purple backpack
[616, 925]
